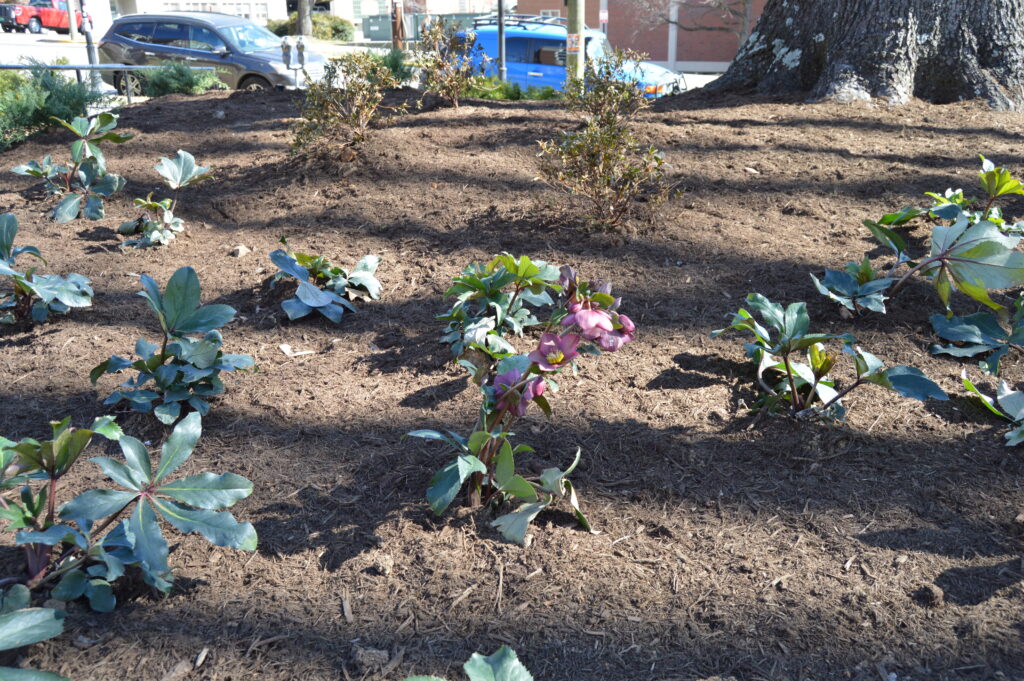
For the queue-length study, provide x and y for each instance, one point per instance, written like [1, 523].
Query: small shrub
[85, 183]
[585, 321]
[184, 371]
[342, 107]
[449, 62]
[90, 558]
[395, 61]
[325, 27]
[604, 169]
[34, 296]
[608, 93]
[28, 104]
[158, 224]
[324, 287]
[972, 250]
[807, 389]
[503, 665]
[178, 78]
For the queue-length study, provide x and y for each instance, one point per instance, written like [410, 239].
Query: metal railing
[78, 68]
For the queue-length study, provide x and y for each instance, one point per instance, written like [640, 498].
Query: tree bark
[304, 22]
[937, 50]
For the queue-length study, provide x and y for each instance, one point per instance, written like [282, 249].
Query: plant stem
[792, 383]
[840, 395]
[912, 271]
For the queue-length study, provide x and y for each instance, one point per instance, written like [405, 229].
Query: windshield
[251, 38]
[597, 47]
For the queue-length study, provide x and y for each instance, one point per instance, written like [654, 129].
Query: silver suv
[246, 56]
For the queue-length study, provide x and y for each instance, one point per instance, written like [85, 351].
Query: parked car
[35, 15]
[535, 54]
[246, 56]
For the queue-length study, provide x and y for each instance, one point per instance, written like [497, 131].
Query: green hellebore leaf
[148, 543]
[909, 382]
[95, 504]
[220, 528]
[179, 445]
[181, 297]
[513, 526]
[182, 170]
[17, 597]
[208, 490]
[503, 665]
[12, 674]
[71, 586]
[24, 627]
[68, 208]
[1011, 400]
[447, 482]
[100, 595]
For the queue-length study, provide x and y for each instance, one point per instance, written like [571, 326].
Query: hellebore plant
[973, 252]
[158, 224]
[807, 389]
[503, 665]
[585, 322]
[492, 299]
[67, 549]
[34, 296]
[85, 183]
[1007, 404]
[324, 287]
[185, 372]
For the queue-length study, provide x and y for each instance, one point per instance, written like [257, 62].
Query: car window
[517, 50]
[140, 31]
[252, 38]
[40, 3]
[63, 6]
[548, 52]
[171, 35]
[206, 40]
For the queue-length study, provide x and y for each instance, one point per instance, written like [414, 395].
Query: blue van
[535, 54]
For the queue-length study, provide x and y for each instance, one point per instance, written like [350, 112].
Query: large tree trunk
[937, 50]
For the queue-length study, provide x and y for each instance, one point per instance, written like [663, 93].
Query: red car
[37, 15]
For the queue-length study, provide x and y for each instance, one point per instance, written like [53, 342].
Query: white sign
[602, 16]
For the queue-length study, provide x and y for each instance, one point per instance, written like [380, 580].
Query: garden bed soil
[728, 545]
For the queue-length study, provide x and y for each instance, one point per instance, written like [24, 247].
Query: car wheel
[35, 26]
[123, 81]
[254, 83]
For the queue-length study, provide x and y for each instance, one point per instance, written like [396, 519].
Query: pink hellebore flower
[555, 351]
[506, 397]
[615, 339]
[593, 323]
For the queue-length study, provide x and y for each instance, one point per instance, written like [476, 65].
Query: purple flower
[555, 351]
[615, 339]
[568, 280]
[516, 401]
[592, 323]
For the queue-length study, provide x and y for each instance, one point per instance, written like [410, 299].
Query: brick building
[636, 24]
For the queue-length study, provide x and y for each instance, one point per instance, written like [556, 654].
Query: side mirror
[222, 52]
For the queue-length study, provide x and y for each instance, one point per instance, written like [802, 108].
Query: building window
[551, 12]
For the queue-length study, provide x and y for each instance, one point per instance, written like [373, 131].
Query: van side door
[547, 63]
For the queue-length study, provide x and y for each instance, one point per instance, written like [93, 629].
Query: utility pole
[397, 25]
[304, 22]
[574, 46]
[502, 69]
[72, 21]
[90, 47]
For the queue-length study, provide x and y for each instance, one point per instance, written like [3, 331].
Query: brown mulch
[728, 547]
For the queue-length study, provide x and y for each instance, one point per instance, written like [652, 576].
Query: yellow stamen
[556, 357]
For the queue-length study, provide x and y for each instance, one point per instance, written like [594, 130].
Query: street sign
[602, 16]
